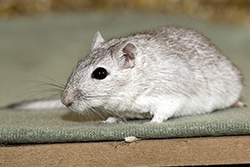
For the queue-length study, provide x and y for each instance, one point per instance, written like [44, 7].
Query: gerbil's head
[103, 78]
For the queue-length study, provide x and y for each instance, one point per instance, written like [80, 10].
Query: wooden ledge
[168, 152]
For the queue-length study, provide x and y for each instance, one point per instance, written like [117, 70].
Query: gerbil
[167, 72]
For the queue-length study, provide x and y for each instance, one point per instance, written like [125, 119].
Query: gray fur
[167, 72]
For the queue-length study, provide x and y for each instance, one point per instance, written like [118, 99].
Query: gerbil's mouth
[76, 109]
[71, 104]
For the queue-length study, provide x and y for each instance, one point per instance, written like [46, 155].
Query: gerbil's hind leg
[239, 104]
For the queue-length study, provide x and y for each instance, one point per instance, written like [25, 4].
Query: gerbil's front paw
[155, 120]
[111, 120]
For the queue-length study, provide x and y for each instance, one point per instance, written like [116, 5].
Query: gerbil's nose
[66, 100]
[68, 104]
[70, 96]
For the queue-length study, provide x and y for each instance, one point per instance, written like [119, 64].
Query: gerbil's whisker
[42, 83]
[102, 96]
[34, 91]
[89, 114]
[95, 110]
[60, 84]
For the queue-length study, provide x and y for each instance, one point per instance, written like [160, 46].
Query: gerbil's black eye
[99, 73]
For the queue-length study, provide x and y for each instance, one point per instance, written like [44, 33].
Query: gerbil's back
[183, 58]
[188, 61]
[187, 49]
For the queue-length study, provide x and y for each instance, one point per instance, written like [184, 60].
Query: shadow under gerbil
[84, 117]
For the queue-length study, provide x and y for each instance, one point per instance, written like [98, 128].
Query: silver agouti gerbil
[167, 72]
[162, 73]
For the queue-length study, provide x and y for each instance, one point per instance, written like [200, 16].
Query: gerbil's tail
[36, 105]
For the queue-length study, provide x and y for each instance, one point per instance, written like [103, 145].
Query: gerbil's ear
[126, 55]
[98, 39]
